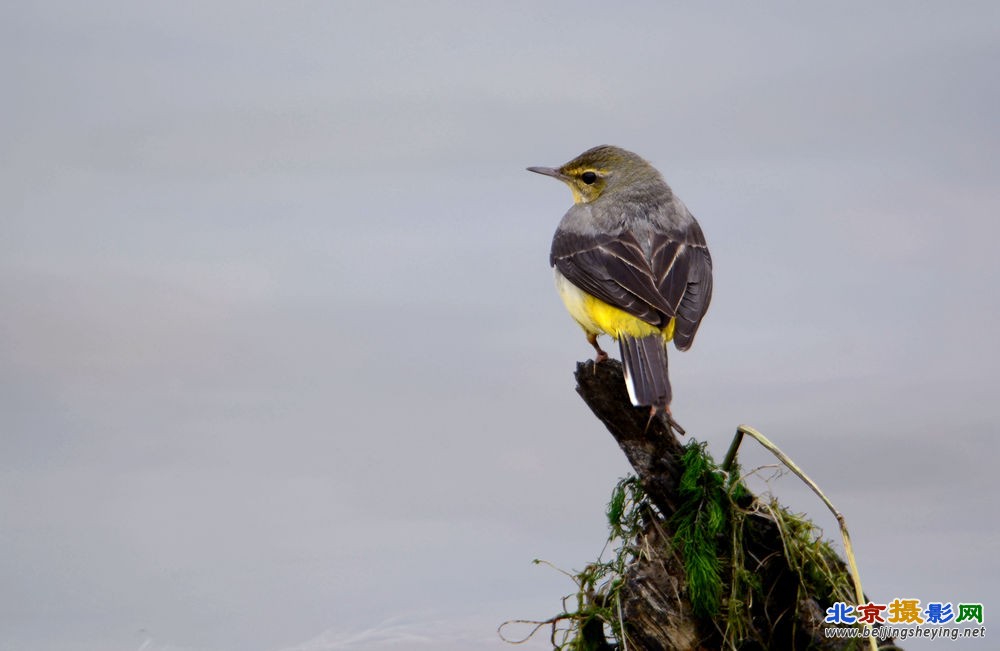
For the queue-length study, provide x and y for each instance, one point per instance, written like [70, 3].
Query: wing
[654, 276]
[697, 295]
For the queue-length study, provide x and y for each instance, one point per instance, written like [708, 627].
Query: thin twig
[537, 625]
[841, 521]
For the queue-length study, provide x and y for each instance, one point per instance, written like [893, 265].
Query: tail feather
[645, 362]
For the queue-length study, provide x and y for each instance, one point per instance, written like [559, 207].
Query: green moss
[625, 509]
[709, 531]
[699, 524]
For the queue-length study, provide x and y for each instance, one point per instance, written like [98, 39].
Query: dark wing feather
[697, 295]
[671, 276]
[612, 268]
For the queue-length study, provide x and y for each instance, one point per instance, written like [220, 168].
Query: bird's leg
[649, 421]
[601, 355]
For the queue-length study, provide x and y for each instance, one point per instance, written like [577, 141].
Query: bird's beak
[548, 171]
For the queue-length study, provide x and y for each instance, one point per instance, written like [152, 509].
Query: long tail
[645, 361]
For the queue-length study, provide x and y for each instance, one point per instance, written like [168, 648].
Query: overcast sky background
[282, 366]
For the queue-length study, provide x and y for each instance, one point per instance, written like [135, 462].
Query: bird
[630, 262]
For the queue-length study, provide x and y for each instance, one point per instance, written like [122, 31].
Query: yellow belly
[597, 317]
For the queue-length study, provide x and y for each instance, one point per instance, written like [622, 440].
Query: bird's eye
[588, 178]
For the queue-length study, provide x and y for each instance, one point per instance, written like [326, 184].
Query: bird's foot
[668, 420]
[674, 425]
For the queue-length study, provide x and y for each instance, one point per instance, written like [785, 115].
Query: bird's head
[600, 171]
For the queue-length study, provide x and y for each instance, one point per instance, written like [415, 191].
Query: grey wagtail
[630, 262]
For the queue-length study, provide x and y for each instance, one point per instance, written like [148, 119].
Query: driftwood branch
[656, 609]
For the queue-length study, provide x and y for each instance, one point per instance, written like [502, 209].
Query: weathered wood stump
[656, 608]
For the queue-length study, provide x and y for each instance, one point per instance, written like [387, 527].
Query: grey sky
[281, 363]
